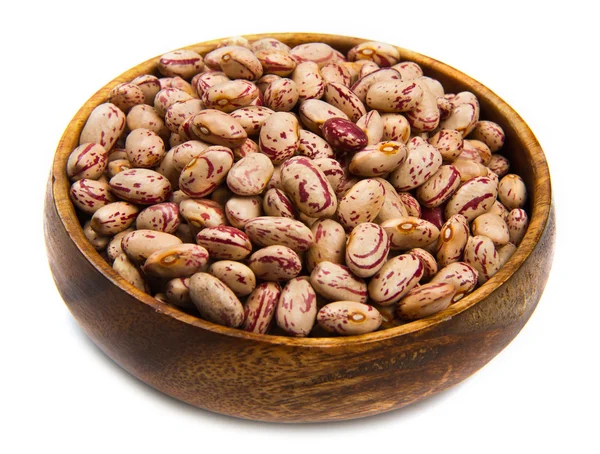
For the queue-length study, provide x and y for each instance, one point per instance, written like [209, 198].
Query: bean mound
[297, 191]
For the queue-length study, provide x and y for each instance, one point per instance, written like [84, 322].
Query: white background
[59, 393]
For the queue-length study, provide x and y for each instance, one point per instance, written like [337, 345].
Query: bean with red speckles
[126, 95]
[492, 226]
[452, 240]
[206, 171]
[517, 222]
[271, 230]
[114, 249]
[275, 263]
[336, 72]
[90, 195]
[236, 62]
[499, 165]
[395, 128]
[469, 169]
[178, 113]
[461, 275]
[318, 53]
[439, 187]
[308, 187]
[392, 204]
[141, 186]
[410, 232]
[412, 205]
[166, 97]
[500, 210]
[425, 116]
[361, 203]
[88, 160]
[202, 213]
[225, 242]
[314, 147]
[279, 137]
[421, 163]
[336, 282]
[184, 63]
[394, 96]
[343, 135]
[342, 97]
[184, 153]
[203, 81]
[395, 279]
[479, 148]
[237, 276]
[332, 169]
[104, 126]
[240, 210]
[473, 198]
[219, 128]
[178, 82]
[425, 300]
[269, 43]
[372, 125]
[260, 306]
[512, 191]
[448, 142]
[128, 271]
[481, 254]
[250, 175]
[162, 217]
[379, 159]
[349, 318]
[314, 112]
[362, 85]
[249, 146]
[144, 148]
[251, 118]
[380, 53]
[229, 96]
[465, 115]
[181, 260]
[265, 80]
[296, 309]
[277, 203]
[178, 293]
[367, 249]
[308, 80]
[329, 244]
[430, 266]
[505, 252]
[490, 133]
[276, 61]
[145, 116]
[150, 86]
[281, 95]
[114, 218]
[141, 244]
[215, 301]
[99, 242]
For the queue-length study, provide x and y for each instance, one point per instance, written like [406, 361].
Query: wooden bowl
[275, 378]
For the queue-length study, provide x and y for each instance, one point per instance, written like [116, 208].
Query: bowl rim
[541, 204]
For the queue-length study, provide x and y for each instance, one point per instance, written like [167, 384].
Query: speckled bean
[473, 198]
[392, 204]
[343, 135]
[314, 147]
[240, 210]
[125, 96]
[140, 244]
[469, 169]
[236, 62]
[231, 95]
[448, 142]
[481, 254]
[184, 153]
[483, 152]
[512, 191]
[203, 81]
[461, 275]
[150, 86]
[269, 43]
[183, 63]
[215, 301]
[395, 128]
[367, 249]
[237, 276]
[166, 97]
[219, 128]
[492, 226]
[380, 53]
[336, 72]
[362, 85]
[342, 97]
[251, 118]
[178, 82]
[104, 126]
[319, 53]
[394, 96]
[439, 187]
[490, 133]
[178, 113]
[308, 80]
[332, 169]
[275, 263]
[314, 112]
[178, 293]
[260, 306]
[410, 232]
[425, 300]
[395, 279]
[162, 217]
[329, 243]
[349, 318]
[505, 252]
[379, 159]
[465, 115]
[88, 160]
[224, 242]
[99, 242]
[308, 187]
[90, 195]
[144, 116]
[276, 61]
[279, 137]
[277, 203]
[144, 148]
[128, 271]
[361, 203]
[181, 260]
[250, 175]
[114, 249]
[206, 171]
[114, 218]
[452, 240]
[141, 186]
[297, 307]
[336, 282]
[271, 230]
[499, 165]
[281, 95]
[517, 222]
[202, 213]
[421, 163]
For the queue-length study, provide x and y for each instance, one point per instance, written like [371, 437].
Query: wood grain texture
[275, 378]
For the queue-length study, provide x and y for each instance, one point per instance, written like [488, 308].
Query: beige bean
[224, 242]
[362, 85]
[499, 165]
[336, 72]
[372, 125]
[314, 112]
[408, 70]
[215, 301]
[176, 139]
[183, 63]
[202, 213]
[125, 96]
[279, 137]
[308, 187]
[141, 244]
[235, 41]
[490, 133]
[177, 114]
[251, 118]
[517, 222]
[297, 307]
[392, 204]
[512, 191]
[275, 181]
[114, 218]
[203, 81]
[349, 318]
[332, 170]
[271, 230]
[206, 171]
[379, 159]
[281, 95]
[412, 205]
[469, 169]
[219, 128]
[99, 242]
[162, 217]
[181, 260]
[141, 186]
[505, 252]
[260, 306]
[88, 160]
[336, 282]
[263, 82]
[236, 62]
[395, 128]
[166, 97]
[465, 115]
[342, 97]
[275, 263]
[461, 275]
[277, 203]
[500, 210]
[250, 175]
[104, 126]
[237, 276]
[481, 254]
[249, 146]
[492, 226]
[425, 300]
[361, 203]
[421, 163]
[178, 82]
[119, 165]
[329, 243]
[439, 187]
[367, 249]
[483, 151]
[410, 232]
[114, 249]
[394, 96]
[184, 153]
[129, 272]
[178, 293]
[150, 86]
[269, 43]
[240, 210]
[319, 53]
[380, 53]
[473, 198]
[448, 142]
[314, 147]
[231, 95]
[308, 80]
[145, 116]
[430, 265]
[452, 240]
[395, 279]
[276, 61]
[425, 117]
[144, 148]
[90, 195]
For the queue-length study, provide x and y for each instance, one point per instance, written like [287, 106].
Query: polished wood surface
[282, 379]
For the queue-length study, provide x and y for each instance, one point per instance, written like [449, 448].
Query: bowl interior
[521, 147]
